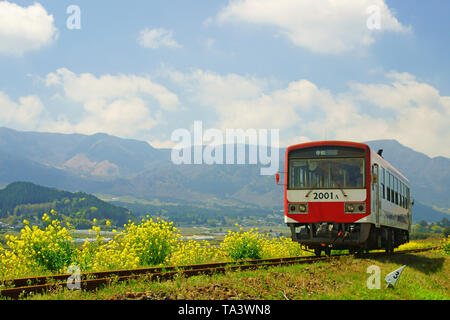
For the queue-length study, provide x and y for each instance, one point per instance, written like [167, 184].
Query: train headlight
[297, 208]
[355, 207]
[349, 208]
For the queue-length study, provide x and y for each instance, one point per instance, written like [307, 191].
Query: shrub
[282, 247]
[194, 252]
[50, 249]
[445, 245]
[152, 241]
[243, 245]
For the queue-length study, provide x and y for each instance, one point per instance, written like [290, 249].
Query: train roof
[328, 143]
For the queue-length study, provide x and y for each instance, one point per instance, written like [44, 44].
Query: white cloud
[156, 38]
[23, 114]
[87, 88]
[205, 87]
[401, 108]
[412, 112]
[209, 43]
[160, 144]
[324, 26]
[276, 109]
[121, 105]
[208, 21]
[247, 101]
[24, 29]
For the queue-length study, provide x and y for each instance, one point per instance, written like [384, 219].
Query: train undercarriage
[356, 237]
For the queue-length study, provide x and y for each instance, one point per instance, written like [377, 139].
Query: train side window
[388, 186]
[401, 194]
[382, 183]
[404, 196]
[407, 198]
[400, 197]
[396, 190]
[388, 179]
[392, 188]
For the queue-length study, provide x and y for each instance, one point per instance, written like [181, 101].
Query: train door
[410, 204]
[376, 194]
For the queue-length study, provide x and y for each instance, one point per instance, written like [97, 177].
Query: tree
[447, 232]
[444, 223]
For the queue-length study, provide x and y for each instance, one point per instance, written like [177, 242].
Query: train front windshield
[326, 173]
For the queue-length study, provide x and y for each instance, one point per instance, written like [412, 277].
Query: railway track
[91, 281]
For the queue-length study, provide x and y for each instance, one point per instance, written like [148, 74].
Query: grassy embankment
[425, 277]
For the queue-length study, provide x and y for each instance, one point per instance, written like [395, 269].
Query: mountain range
[119, 168]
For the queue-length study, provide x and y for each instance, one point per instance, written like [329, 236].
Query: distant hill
[108, 165]
[424, 212]
[24, 200]
[96, 156]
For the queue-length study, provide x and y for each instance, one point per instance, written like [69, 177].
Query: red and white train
[343, 195]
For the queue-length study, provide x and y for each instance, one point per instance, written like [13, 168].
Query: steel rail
[167, 273]
[32, 281]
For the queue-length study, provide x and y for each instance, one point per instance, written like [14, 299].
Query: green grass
[424, 278]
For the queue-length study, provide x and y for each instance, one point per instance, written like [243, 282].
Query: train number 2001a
[325, 195]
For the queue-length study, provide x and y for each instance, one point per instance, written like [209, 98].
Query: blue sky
[142, 69]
